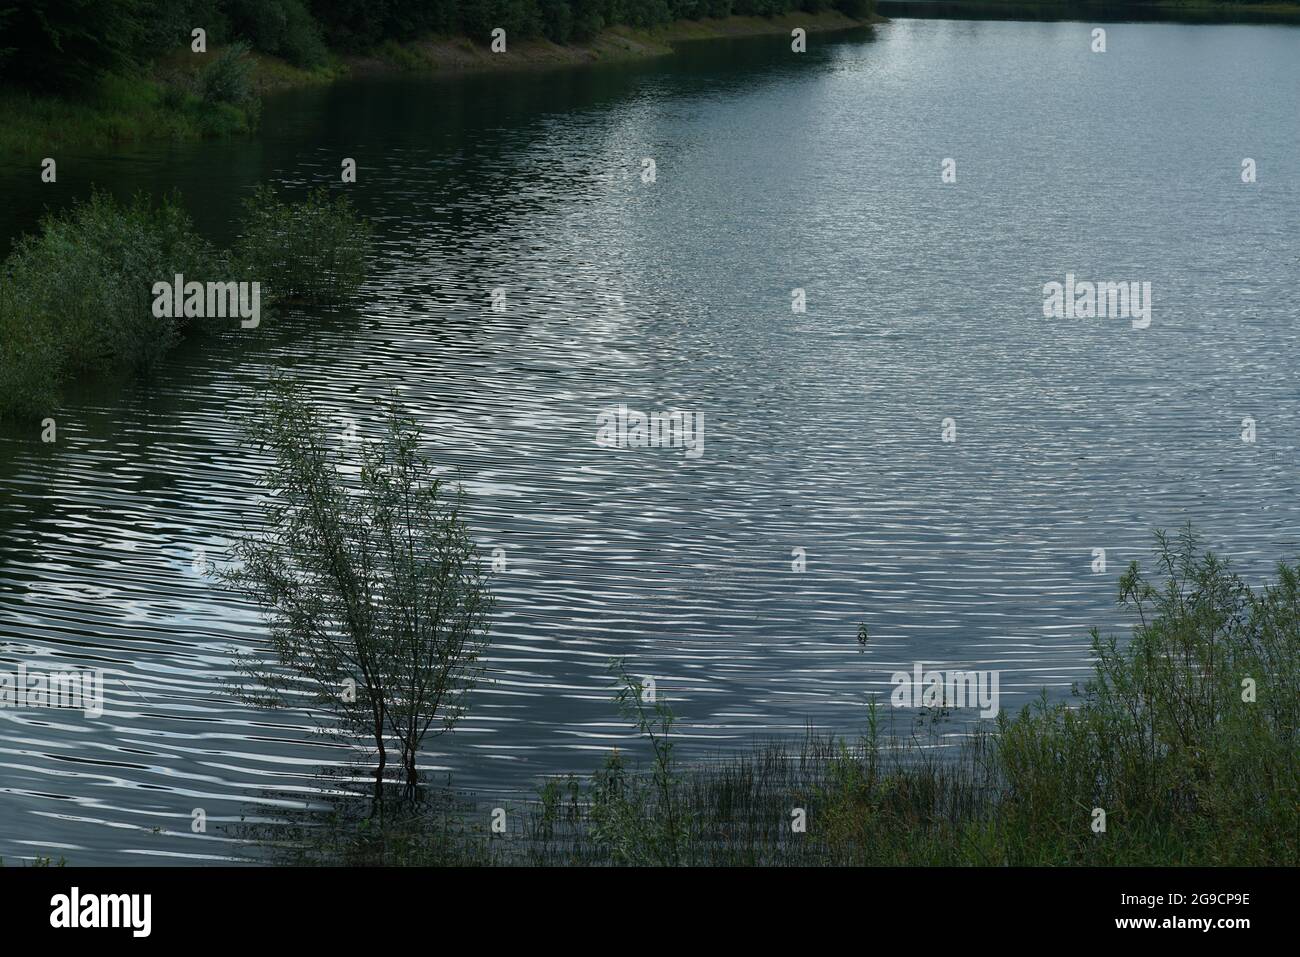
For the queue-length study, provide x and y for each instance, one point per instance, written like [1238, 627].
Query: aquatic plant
[313, 251]
[78, 296]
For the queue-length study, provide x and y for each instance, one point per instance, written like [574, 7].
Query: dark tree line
[64, 44]
[349, 24]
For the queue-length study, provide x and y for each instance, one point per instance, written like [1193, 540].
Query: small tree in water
[372, 588]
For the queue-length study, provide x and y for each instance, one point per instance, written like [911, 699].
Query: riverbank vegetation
[97, 72]
[1181, 750]
[76, 297]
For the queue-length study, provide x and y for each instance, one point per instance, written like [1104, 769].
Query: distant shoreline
[441, 55]
[157, 104]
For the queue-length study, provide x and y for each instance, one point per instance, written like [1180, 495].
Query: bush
[310, 252]
[1186, 738]
[228, 78]
[31, 362]
[78, 294]
[167, 25]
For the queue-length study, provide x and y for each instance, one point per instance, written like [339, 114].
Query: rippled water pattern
[822, 430]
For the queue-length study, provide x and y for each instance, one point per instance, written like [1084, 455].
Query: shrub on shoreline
[1189, 736]
[228, 78]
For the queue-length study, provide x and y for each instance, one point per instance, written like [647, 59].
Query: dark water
[822, 430]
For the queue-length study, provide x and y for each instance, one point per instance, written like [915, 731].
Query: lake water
[822, 429]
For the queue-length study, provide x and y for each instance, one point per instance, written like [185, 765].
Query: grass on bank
[181, 97]
[1186, 738]
[76, 297]
[118, 109]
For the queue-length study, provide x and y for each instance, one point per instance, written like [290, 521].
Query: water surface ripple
[822, 430]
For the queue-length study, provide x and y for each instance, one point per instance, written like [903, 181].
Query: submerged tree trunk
[383, 762]
[410, 748]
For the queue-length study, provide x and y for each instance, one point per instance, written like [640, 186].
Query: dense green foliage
[77, 297]
[227, 78]
[313, 251]
[118, 108]
[1187, 738]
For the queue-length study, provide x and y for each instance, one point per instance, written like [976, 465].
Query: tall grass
[1186, 737]
[118, 109]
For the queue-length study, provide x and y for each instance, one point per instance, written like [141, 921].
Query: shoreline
[158, 104]
[443, 55]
